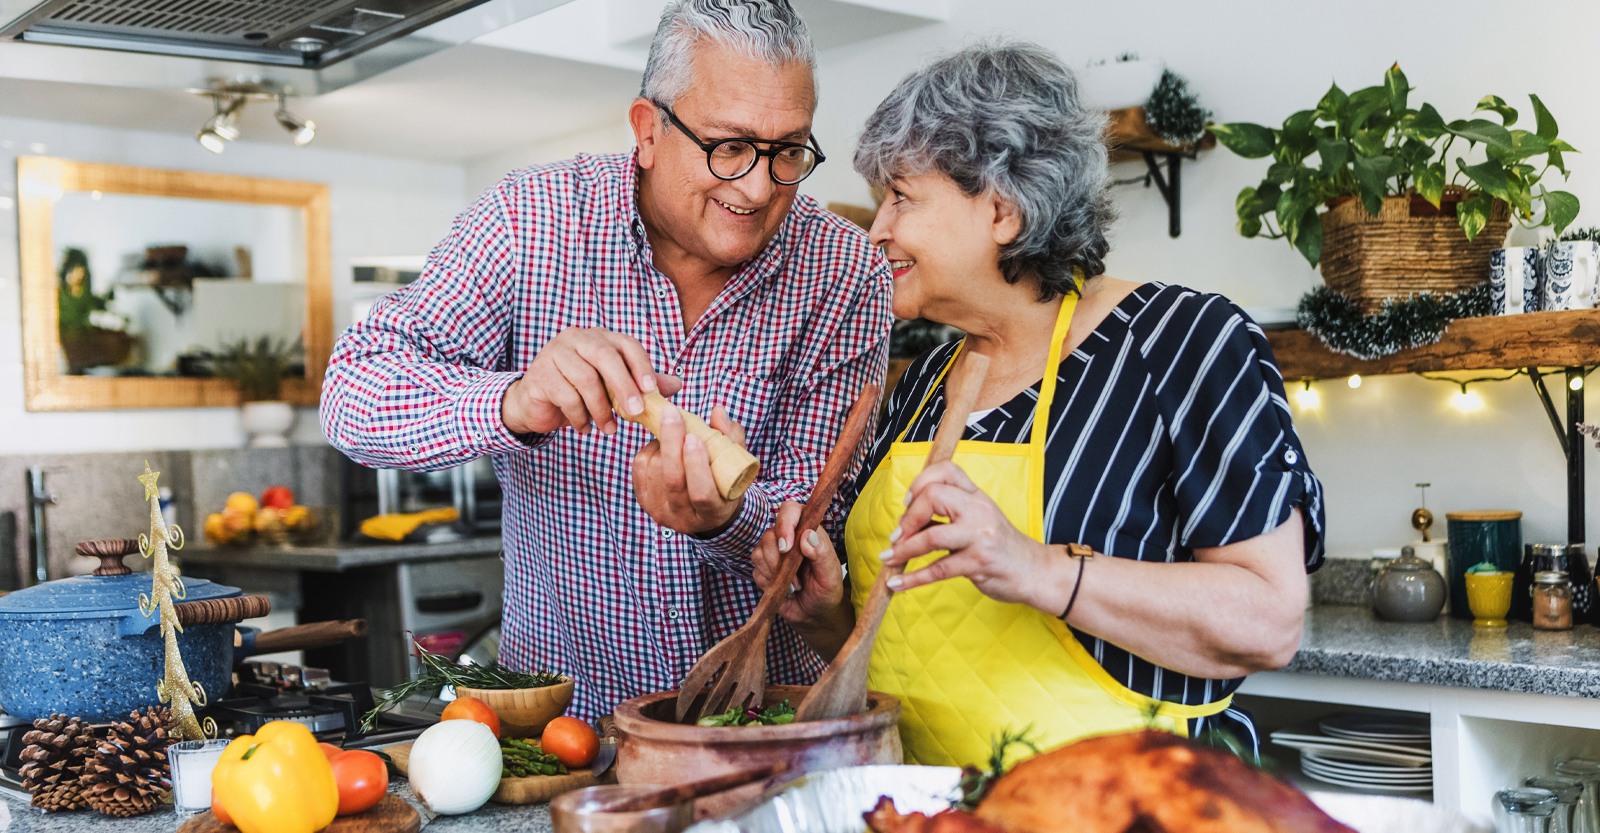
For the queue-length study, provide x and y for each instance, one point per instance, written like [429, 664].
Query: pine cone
[53, 761]
[128, 773]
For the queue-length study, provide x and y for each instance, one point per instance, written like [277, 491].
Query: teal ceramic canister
[1493, 535]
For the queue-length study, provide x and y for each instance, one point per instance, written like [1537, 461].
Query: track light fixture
[301, 130]
[228, 100]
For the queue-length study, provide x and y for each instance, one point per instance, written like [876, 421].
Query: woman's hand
[820, 581]
[1003, 562]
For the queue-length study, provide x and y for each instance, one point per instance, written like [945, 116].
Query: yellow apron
[965, 666]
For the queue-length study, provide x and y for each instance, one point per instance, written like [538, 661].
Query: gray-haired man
[688, 266]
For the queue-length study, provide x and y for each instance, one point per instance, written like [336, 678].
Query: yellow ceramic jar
[1489, 597]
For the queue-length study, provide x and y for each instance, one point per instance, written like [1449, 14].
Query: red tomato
[471, 708]
[330, 750]
[571, 741]
[277, 497]
[216, 810]
[362, 778]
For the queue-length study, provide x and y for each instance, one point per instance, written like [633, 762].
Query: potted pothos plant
[1358, 162]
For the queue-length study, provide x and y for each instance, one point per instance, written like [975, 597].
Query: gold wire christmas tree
[175, 685]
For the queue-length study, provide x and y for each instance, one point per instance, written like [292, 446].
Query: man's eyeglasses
[730, 159]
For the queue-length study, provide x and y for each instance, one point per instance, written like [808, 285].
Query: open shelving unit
[1565, 343]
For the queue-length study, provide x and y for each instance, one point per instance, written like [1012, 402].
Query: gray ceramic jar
[1408, 589]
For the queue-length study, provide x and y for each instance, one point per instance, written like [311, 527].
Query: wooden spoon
[842, 689]
[742, 656]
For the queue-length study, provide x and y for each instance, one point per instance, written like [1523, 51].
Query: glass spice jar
[1552, 601]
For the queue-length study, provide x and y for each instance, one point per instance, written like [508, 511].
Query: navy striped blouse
[1169, 432]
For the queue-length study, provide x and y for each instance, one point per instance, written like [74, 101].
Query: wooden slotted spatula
[842, 689]
[742, 657]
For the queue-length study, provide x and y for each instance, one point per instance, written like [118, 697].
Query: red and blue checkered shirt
[595, 587]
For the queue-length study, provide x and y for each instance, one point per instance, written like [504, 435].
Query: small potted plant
[1365, 185]
[258, 369]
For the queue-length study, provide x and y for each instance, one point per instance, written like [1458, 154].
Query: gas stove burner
[317, 720]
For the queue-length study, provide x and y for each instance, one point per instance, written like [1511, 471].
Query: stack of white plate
[1370, 752]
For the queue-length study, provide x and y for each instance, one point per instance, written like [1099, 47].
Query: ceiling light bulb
[211, 140]
[1355, 380]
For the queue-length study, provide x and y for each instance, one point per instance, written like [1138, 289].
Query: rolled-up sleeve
[418, 384]
[1238, 467]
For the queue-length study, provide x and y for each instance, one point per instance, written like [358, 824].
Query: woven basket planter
[1398, 254]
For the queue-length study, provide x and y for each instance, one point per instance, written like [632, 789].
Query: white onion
[455, 766]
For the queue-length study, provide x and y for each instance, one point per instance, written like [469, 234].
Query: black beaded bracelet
[1083, 554]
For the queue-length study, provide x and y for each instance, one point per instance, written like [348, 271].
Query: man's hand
[672, 477]
[567, 383]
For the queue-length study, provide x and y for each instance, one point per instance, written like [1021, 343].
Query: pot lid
[113, 590]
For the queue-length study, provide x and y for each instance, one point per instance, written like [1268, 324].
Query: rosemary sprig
[976, 783]
[437, 672]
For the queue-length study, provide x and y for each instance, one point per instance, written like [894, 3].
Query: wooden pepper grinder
[733, 468]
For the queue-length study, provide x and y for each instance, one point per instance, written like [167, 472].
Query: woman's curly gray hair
[1004, 117]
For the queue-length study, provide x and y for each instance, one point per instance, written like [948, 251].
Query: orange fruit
[571, 741]
[471, 708]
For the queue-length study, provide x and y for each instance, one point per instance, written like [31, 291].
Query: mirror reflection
[148, 285]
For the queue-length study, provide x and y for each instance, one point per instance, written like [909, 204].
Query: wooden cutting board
[391, 815]
[530, 790]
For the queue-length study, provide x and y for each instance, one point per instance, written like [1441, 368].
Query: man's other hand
[567, 382]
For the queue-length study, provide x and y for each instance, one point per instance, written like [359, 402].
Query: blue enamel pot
[81, 646]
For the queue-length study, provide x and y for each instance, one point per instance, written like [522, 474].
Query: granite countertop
[1350, 641]
[334, 558]
[530, 818]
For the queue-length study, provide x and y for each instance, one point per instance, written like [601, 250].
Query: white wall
[380, 206]
[1253, 60]
[487, 170]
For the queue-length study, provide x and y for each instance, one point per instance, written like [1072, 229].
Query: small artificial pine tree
[1175, 113]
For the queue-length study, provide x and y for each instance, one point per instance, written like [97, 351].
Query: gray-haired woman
[1158, 439]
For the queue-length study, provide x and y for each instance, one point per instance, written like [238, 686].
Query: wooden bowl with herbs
[523, 702]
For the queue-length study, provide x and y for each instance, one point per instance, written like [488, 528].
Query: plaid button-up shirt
[595, 587]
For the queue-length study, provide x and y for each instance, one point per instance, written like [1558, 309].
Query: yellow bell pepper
[276, 781]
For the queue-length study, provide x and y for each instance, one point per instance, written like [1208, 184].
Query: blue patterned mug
[1514, 279]
[1571, 275]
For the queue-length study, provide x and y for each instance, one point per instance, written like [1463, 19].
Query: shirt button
[666, 533]
[661, 293]
[413, 449]
[1290, 457]
[672, 613]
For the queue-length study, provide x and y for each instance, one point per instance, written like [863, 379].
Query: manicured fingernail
[610, 428]
[895, 535]
[783, 545]
[811, 538]
[886, 554]
[894, 583]
[635, 405]
[648, 384]
[908, 499]
[691, 443]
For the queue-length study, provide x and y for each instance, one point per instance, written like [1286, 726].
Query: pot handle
[110, 552]
[231, 609]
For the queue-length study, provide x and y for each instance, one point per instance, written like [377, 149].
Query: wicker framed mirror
[196, 260]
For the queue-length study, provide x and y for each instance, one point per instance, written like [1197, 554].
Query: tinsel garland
[1401, 324]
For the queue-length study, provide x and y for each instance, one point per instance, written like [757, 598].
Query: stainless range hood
[307, 44]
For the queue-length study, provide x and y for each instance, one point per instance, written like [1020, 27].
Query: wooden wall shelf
[1130, 138]
[1534, 339]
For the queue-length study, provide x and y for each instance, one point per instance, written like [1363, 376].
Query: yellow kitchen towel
[397, 527]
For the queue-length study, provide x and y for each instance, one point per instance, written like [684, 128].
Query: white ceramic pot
[1114, 85]
[267, 423]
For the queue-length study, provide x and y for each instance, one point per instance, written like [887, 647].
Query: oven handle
[453, 602]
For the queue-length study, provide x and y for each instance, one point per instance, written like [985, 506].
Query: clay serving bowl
[652, 749]
[523, 712]
[573, 812]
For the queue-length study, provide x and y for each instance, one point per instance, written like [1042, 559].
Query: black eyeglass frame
[774, 148]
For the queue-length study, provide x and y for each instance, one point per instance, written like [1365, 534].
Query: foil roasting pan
[833, 801]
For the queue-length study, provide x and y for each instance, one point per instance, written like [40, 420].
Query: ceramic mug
[1514, 279]
[1571, 275]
